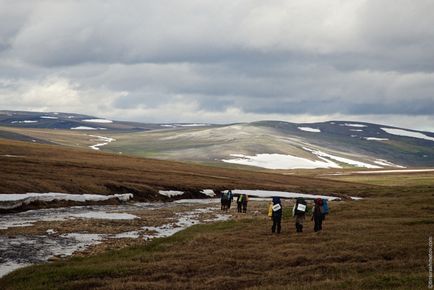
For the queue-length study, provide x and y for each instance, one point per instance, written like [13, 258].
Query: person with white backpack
[276, 215]
[299, 212]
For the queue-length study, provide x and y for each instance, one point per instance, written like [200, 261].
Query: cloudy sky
[221, 61]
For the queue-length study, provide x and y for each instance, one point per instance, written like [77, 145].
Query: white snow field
[280, 161]
[405, 133]
[309, 129]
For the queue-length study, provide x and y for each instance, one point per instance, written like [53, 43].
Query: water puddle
[20, 250]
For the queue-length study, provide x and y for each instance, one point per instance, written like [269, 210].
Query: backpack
[300, 207]
[225, 196]
[324, 207]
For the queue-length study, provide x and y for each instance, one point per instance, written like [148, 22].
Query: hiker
[223, 200]
[230, 198]
[299, 212]
[226, 199]
[276, 214]
[318, 215]
[239, 202]
[244, 202]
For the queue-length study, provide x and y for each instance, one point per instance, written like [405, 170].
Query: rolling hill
[265, 144]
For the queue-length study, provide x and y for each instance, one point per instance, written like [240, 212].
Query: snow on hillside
[376, 139]
[48, 117]
[308, 129]
[354, 125]
[98, 121]
[87, 128]
[341, 159]
[405, 133]
[383, 162]
[279, 161]
[24, 122]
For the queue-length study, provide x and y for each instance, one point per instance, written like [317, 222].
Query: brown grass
[377, 243]
[45, 168]
[380, 242]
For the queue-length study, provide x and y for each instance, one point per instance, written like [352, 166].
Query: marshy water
[36, 236]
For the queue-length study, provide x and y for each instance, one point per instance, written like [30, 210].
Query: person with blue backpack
[320, 210]
[276, 215]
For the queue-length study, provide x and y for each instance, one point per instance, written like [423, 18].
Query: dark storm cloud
[129, 59]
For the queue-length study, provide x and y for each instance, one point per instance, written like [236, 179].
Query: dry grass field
[30, 167]
[380, 242]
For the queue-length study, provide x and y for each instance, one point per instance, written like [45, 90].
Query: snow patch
[393, 171]
[376, 139]
[280, 161]
[356, 130]
[84, 128]
[170, 193]
[405, 133]
[208, 192]
[10, 201]
[269, 193]
[24, 122]
[341, 159]
[48, 117]
[355, 125]
[384, 162]
[98, 121]
[308, 129]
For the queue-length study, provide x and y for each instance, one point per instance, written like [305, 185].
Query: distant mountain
[267, 144]
[66, 121]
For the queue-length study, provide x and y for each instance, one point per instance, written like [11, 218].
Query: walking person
[244, 201]
[230, 198]
[239, 202]
[318, 215]
[276, 215]
[299, 212]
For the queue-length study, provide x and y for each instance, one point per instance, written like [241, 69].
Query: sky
[221, 61]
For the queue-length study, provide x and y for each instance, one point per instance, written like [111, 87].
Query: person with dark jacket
[317, 215]
[239, 202]
[300, 209]
[244, 202]
[276, 215]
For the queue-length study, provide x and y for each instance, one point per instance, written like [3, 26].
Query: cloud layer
[221, 61]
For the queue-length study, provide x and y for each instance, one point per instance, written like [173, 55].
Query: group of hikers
[299, 211]
[226, 200]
